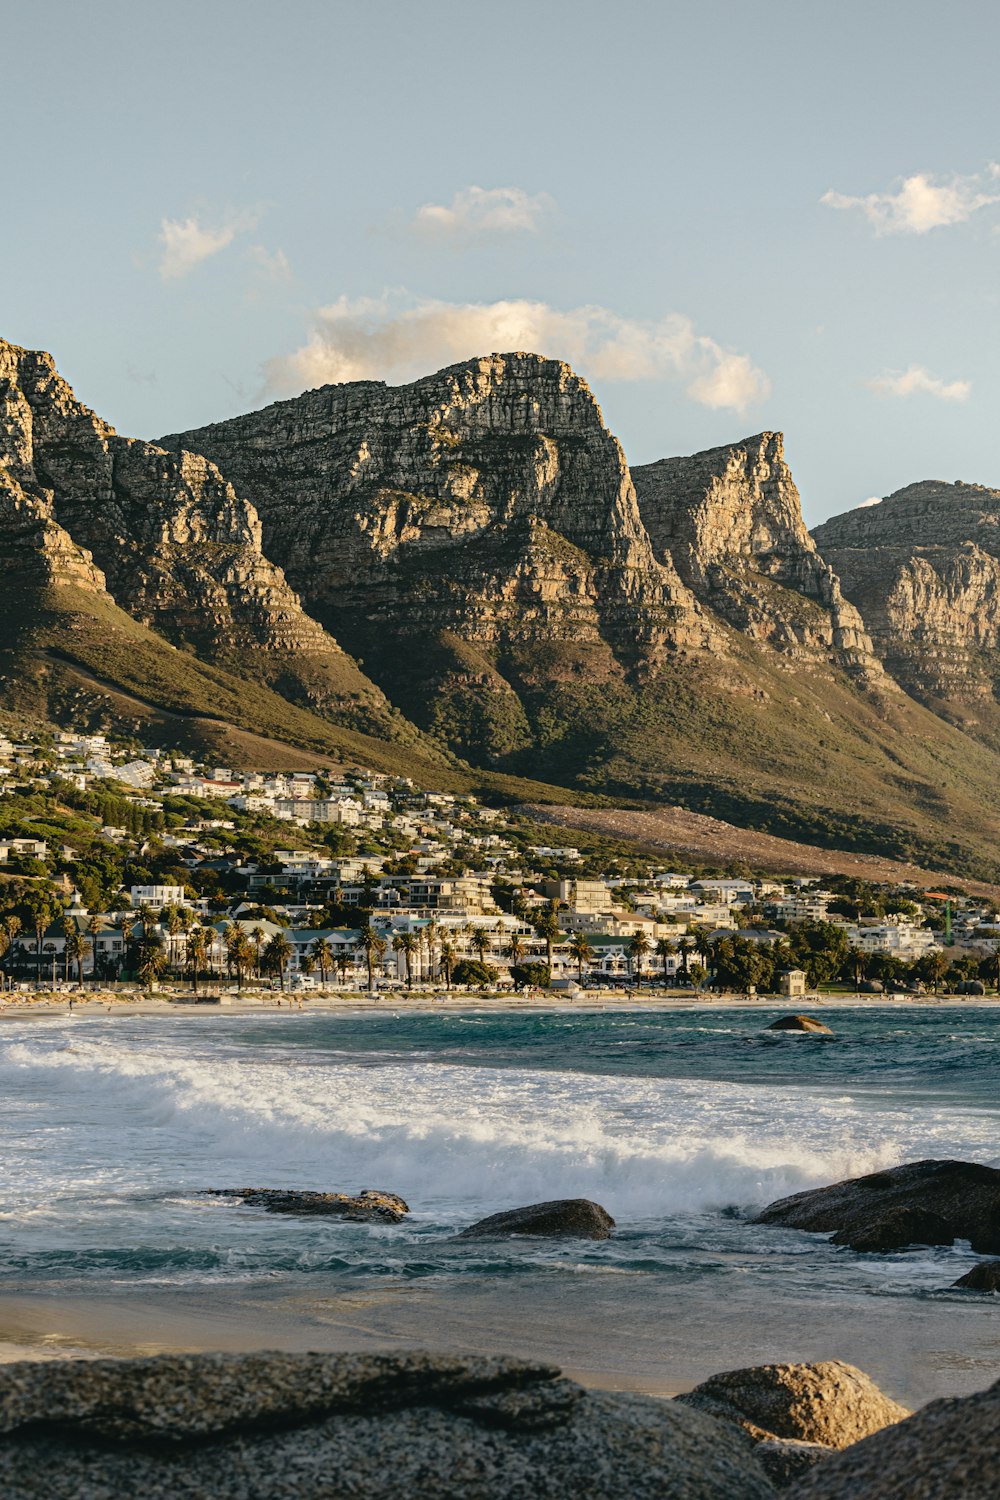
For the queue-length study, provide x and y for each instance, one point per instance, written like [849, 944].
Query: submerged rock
[950, 1450]
[921, 1202]
[316, 1426]
[982, 1278]
[368, 1206]
[799, 1023]
[577, 1218]
[829, 1403]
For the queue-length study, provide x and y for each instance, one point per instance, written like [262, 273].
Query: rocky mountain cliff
[465, 566]
[731, 520]
[168, 537]
[923, 567]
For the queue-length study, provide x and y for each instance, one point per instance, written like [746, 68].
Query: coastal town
[129, 868]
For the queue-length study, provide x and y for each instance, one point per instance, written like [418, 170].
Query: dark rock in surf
[982, 1278]
[830, 1403]
[921, 1202]
[381, 1426]
[576, 1218]
[368, 1206]
[799, 1023]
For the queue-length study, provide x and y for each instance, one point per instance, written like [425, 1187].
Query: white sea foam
[134, 1114]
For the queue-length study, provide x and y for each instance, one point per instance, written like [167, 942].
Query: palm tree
[547, 927]
[373, 945]
[257, 936]
[307, 964]
[343, 962]
[170, 917]
[430, 937]
[449, 957]
[580, 949]
[323, 955]
[75, 949]
[93, 928]
[856, 959]
[684, 949]
[638, 947]
[9, 928]
[41, 917]
[70, 930]
[665, 949]
[406, 944]
[479, 939]
[145, 915]
[276, 955]
[515, 949]
[197, 946]
[152, 961]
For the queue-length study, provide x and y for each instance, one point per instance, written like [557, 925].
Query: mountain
[476, 540]
[460, 579]
[923, 567]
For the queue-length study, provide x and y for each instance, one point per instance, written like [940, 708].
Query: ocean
[681, 1123]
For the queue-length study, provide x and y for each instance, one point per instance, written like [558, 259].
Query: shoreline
[14, 1006]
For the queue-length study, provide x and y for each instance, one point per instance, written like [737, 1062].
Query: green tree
[276, 955]
[581, 951]
[343, 962]
[373, 945]
[406, 944]
[638, 947]
[151, 961]
[449, 958]
[323, 954]
[547, 927]
[195, 950]
[76, 950]
[665, 949]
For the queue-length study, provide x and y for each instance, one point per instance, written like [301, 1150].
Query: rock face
[368, 1206]
[168, 537]
[982, 1278]
[829, 1403]
[799, 1023]
[923, 568]
[309, 1426]
[949, 1450]
[731, 520]
[922, 1202]
[577, 1218]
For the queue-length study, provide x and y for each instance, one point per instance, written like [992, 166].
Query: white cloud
[377, 337]
[187, 242]
[919, 381]
[274, 264]
[923, 202]
[476, 212]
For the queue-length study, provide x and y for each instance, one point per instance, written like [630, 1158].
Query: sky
[728, 215]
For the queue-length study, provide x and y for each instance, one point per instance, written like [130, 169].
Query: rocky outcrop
[949, 1450]
[829, 1403]
[174, 543]
[473, 537]
[576, 1218]
[982, 1278]
[923, 568]
[799, 1023]
[308, 1426]
[922, 1202]
[368, 1206]
[731, 520]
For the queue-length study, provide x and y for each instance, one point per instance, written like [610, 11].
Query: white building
[157, 895]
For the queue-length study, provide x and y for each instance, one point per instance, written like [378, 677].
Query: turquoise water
[681, 1124]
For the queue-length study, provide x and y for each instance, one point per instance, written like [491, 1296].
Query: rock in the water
[783, 1462]
[829, 1403]
[949, 1450]
[576, 1218]
[963, 1198]
[799, 1023]
[982, 1278]
[369, 1206]
[318, 1426]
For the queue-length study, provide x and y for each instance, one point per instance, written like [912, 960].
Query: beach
[681, 1119]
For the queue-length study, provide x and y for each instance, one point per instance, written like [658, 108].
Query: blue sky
[727, 215]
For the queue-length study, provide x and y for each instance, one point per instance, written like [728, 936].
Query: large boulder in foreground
[950, 1450]
[982, 1278]
[799, 1023]
[369, 1206]
[829, 1403]
[319, 1426]
[921, 1202]
[576, 1218]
